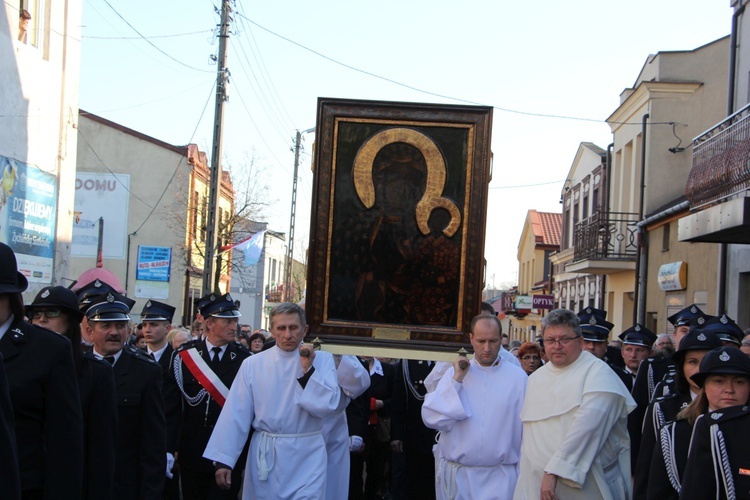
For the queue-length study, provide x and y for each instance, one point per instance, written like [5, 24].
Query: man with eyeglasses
[575, 438]
[745, 347]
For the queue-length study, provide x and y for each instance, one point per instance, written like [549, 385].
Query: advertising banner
[543, 302]
[154, 263]
[102, 196]
[28, 213]
[524, 302]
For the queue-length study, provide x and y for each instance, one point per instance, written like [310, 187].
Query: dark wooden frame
[461, 135]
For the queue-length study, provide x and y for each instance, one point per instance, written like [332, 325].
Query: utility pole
[222, 78]
[290, 247]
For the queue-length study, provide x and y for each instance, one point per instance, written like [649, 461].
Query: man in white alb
[285, 393]
[575, 436]
[476, 407]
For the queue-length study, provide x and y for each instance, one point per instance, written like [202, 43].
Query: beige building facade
[583, 199]
[675, 96]
[39, 73]
[151, 198]
[539, 239]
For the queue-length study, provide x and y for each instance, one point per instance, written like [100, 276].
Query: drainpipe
[605, 205]
[721, 297]
[641, 263]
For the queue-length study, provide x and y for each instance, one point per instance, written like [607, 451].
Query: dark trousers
[202, 486]
[413, 473]
[377, 455]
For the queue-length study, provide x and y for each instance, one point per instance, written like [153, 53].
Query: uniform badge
[232, 355]
[45, 294]
[148, 304]
[716, 416]
[588, 310]
[724, 320]
[701, 320]
[694, 310]
[97, 283]
[212, 297]
[701, 337]
[229, 298]
[637, 328]
[592, 321]
[724, 356]
[110, 298]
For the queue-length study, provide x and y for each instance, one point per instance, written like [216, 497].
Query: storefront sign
[524, 302]
[543, 302]
[673, 276]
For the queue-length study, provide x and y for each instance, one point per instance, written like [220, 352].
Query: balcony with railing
[721, 161]
[605, 243]
[719, 184]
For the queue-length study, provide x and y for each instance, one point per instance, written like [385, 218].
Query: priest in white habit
[575, 435]
[476, 406]
[284, 393]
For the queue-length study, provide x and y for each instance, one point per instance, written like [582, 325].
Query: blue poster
[154, 263]
[28, 214]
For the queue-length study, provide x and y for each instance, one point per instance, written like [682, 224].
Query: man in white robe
[575, 436]
[477, 411]
[353, 379]
[285, 396]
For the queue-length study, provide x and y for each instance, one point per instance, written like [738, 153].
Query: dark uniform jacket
[722, 470]
[668, 460]
[172, 400]
[661, 411]
[198, 420]
[406, 408]
[651, 371]
[10, 483]
[141, 444]
[96, 384]
[47, 409]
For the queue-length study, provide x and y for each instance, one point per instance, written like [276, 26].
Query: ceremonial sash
[205, 375]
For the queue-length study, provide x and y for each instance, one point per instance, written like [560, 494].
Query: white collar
[6, 326]
[157, 354]
[210, 346]
[101, 356]
[377, 368]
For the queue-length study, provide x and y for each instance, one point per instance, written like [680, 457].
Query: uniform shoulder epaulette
[720, 416]
[189, 344]
[139, 354]
[666, 397]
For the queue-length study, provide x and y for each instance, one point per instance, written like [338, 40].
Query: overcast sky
[553, 71]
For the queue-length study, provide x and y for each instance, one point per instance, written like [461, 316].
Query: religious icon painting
[397, 227]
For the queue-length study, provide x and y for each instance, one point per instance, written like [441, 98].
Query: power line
[152, 43]
[435, 94]
[200, 119]
[145, 37]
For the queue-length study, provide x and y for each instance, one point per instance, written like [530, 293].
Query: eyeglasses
[530, 358]
[50, 313]
[561, 341]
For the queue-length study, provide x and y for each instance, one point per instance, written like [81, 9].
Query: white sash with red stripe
[204, 374]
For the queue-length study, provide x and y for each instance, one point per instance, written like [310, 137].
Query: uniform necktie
[215, 360]
[109, 359]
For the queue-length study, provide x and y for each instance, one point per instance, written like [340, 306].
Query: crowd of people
[222, 410]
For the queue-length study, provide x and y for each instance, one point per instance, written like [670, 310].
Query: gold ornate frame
[381, 274]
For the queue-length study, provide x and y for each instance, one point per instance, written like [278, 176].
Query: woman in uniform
[680, 392]
[724, 378]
